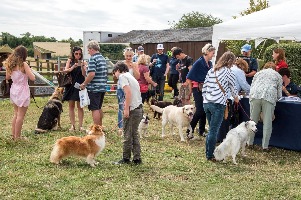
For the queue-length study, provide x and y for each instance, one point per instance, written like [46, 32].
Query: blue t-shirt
[173, 63]
[199, 70]
[159, 67]
[97, 64]
[291, 88]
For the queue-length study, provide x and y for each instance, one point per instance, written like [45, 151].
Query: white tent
[279, 22]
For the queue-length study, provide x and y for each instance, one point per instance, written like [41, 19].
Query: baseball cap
[246, 48]
[140, 48]
[160, 46]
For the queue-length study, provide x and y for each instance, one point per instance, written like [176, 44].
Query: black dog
[50, 117]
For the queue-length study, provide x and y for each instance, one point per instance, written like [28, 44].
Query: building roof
[168, 35]
[55, 48]
[5, 49]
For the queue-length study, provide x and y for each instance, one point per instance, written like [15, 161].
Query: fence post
[58, 64]
[48, 66]
[37, 64]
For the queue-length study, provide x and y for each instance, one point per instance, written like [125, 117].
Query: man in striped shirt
[95, 81]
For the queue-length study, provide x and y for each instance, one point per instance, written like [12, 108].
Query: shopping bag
[84, 98]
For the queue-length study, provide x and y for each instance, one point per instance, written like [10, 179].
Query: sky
[63, 19]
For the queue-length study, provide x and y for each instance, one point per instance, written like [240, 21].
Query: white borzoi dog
[236, 138]
[176, 116]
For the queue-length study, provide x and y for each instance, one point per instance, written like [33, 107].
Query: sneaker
[266, 149]
[137, 161]
[212, 159]
[82, 129]
[203, 134]
[122, 161]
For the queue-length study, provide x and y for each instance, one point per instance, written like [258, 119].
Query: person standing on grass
[159, 67]
[196, 78]
[19, 71]
[184, 66]
[266, 90]
[71, 94]
[95, 81]
[134, 71]
[132, 114]
[144, 79]
[219, 80]
[174, 74]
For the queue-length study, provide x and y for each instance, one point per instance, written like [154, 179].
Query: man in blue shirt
[95, 81]
[159, 67]
[253, 65]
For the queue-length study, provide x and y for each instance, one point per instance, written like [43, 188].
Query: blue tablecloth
[286, 126]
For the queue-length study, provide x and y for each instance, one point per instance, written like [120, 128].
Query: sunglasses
[128, 49]
[210, 46]
[77, 53]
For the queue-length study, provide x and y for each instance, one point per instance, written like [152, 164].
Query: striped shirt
[97, 64]
[211, 90]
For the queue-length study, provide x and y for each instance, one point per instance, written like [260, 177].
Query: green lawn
[171, 169]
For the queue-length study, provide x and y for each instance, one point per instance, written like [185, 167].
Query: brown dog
[88, 146]
[51, 115]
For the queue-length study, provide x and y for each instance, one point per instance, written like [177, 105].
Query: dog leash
[244, 110]
[114, 127]
[34, 99]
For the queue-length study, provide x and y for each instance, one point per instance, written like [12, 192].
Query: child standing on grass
[132, 114]
[19, 71]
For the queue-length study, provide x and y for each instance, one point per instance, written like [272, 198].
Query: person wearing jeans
[219, 80]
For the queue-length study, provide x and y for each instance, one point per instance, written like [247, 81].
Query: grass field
[171, 169]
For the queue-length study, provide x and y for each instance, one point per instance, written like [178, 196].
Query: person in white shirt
[132, 114]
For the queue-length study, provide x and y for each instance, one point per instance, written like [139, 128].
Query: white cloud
[65, 18]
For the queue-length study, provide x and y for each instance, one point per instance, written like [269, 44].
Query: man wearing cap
[140, 51]
[253, 65]
[159, 67]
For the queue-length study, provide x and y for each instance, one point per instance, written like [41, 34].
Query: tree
[194, 20]
[254, 7]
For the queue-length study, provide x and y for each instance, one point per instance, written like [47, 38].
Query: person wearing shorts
[95, 81]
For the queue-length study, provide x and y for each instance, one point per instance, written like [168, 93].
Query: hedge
[293, 58]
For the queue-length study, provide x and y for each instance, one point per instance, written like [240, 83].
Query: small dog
[176, 116]
[143, 126]
[50, 118]
[236, 138]
[88, 146]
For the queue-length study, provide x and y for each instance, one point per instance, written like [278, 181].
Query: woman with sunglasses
[71, 94]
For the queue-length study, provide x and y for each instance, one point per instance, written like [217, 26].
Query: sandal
[72, 129]
[81, 129]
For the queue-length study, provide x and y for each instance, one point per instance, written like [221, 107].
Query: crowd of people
[212, 87]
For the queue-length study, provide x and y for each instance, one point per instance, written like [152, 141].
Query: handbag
[226, 111]
[64, 79]
[143, 87]
[84, 98]
[5, 87]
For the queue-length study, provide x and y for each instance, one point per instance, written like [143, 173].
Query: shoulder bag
[64, 79]
[226, 112]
